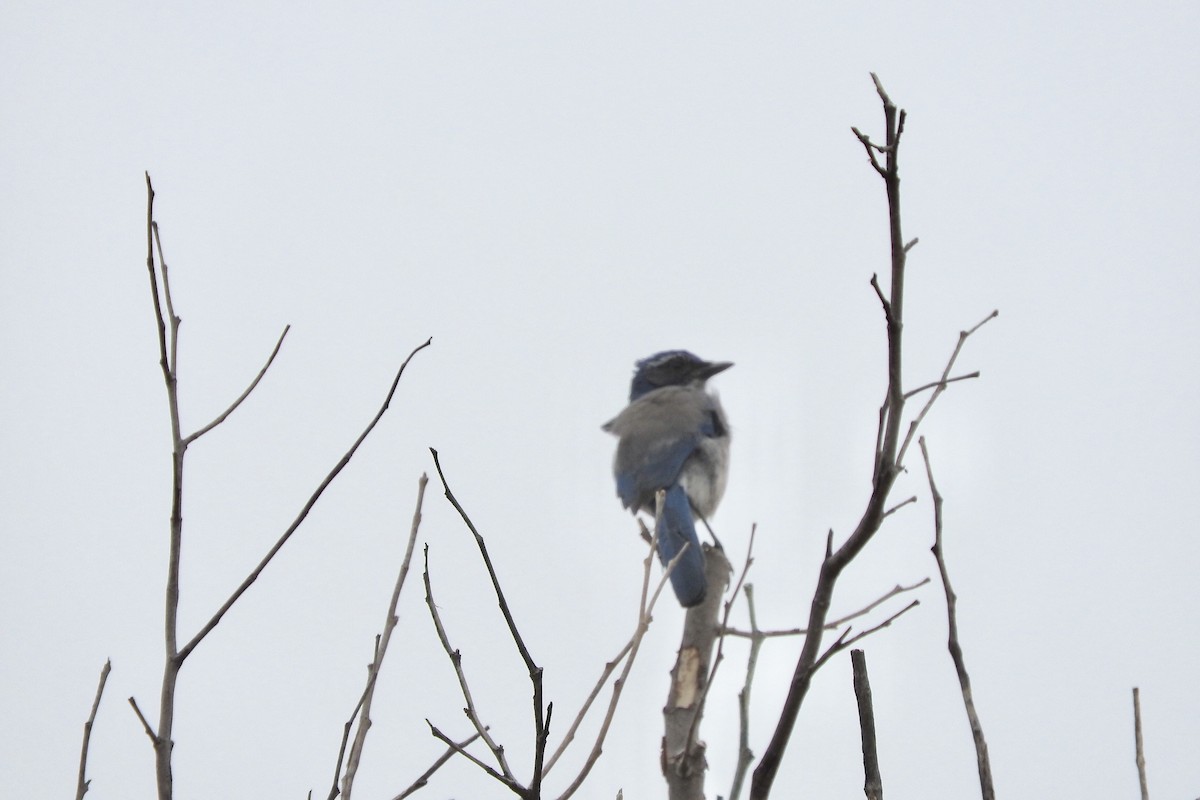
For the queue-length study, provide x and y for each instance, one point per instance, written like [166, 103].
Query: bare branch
[83, 783]
[349, 725]
[175, 320]
[422, 781]
[456, 660]
[871, 149]
[508, 781]
[540, 716]
[312, 501]
[163, 360]
[873, 783]
[221, 417]
[381, 646]
[887, 466]
[899, 506]
[984, 765]
[893, 592]
[142, 718]
[163, 740]
[745, 756]
[883, 301]
[609, 668]
[845, 640]
[834, 624]
[646, 604]
[940, 385]
[1139, 752]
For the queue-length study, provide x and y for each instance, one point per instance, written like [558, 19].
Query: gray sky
[552, 191]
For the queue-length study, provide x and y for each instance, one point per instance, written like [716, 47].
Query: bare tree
[168, 350]
[892, 442]
[701, 650]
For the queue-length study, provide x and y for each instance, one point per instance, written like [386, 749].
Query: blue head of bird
[672, 368]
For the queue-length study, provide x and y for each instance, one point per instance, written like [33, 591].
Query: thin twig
[163, 360]
[872, 783]
[381, 646]
[348, 726]
[508, 781]
[745, 755]
[935, 384]
[939, 385]
[312, 501]
[837, 623]
[899, 506]
[646, 604]
[1139, 752]
[422, 781]
[845, 640]
[987, 790]
[233, 406]
[456, 660]
[609, 668]
[82, 785]
[142, 718]
[871, 149]
[175, 319]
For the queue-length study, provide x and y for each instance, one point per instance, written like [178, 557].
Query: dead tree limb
[886, 467]
[683, 761]
[422, 781]
[83, 783]
[505, 775]
[872, 782]
[983, 763]
[890, 447]
[1139, 752]
[541, 710]
[363, 709]
[168, 349]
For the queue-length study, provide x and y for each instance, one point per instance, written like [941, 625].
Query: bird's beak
[713, 367]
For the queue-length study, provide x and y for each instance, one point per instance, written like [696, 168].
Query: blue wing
[640, 472]
[658, 433]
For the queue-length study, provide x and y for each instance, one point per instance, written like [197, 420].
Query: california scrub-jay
[673, 436]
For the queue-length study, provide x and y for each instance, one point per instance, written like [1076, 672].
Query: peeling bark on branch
[682, 757]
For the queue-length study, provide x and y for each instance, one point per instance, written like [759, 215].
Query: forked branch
[506, 775]
[886, 469]
[541, 712]
[308, 506]
[889, 449]
[167, 328]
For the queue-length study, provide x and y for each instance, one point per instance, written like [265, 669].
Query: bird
[673, 436]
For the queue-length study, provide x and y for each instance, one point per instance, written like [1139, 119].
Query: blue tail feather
[675, 529]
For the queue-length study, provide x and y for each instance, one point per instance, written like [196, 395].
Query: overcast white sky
[552, 191]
